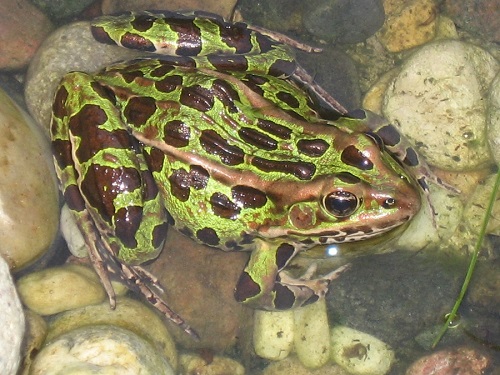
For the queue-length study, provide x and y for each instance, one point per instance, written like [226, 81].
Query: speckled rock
[360, 353]
[20, 38]
[438, 99]
[36, 332]
[224, 8]
[12, 323]
[58, 289]
[292, 365]
[344, 21]
[273, 334]
[70, 48]
[106, 349]
[459, 361]
[129, 314]
[62, 9]
[194, 364]
[29, 213]
[409, 23]
[493, 118]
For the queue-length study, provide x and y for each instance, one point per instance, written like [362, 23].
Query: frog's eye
[341, 203]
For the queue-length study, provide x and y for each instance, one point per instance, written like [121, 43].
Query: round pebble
[29, 209]
[12, 323]
[194, 364]
[438, 102]
[100, 349]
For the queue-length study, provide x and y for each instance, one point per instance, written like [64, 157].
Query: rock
[360, 353]
[273, 334]
[475, 16]
[36, 332]
[409, 23]
[63, 9]
[397, 289]
[193, 364]
[58, 289]
[199, 278]
[459, 361]
[12, 323]
[29, 213]
[106, 349]
[438, 99]
[224, 8]
[20, 38]
[70, 48]
[311, 336]
[292, 365]
[493, 118]
[129, 314]
[344, 21]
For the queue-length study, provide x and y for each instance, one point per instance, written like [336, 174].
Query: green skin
[148, 137]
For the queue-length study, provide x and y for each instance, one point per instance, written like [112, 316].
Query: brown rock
[22, 29]
[199, 282]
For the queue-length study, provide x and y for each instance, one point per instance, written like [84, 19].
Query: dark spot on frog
[258, 139]
[233, 246]
[104, 92]
[354, 157]
[248, 197]
[74, 199]
[154, 158]
[181, 181]
[59, 106]
[389, 135]
[223, 207]
[284, 297]
[301, 170]
[188, 36]
[208, 236]
[348, 178]
[224, 63]
[236, 35]
[169, 84]
[357, 114]
[197, 97]
[159, 235]
[246, 288]
[162, 69]
[61, 150]
[142, 22]
[284, 253]
[177, 133]
[287, 98]
[411, 158]
[312, 147]
[149, 187]
[129, 76]
[137, 42]
[282, 67]
[226, 94]
[278, 130]
[214, 144]
[127, 222]
[311, 299]
[139, 110]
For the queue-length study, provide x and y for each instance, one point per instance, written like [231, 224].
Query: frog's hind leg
[265, 285]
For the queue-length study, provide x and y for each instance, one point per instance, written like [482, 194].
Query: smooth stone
[493, 119]
[63, 9]
[71, 234]
[438, 100]
[224, 8]
[12, 323]
[344, 21]
[457, 361]
[29, 213]
[360, 353]
[36, 332]
[128, 314]
[311, 336]
[293, 366]
[194, 364]
[70, 48]
[23, 28]
[408, 25]
[100, 349]
[273, 334]
[58, 289]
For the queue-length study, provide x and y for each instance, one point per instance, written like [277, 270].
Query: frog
[217, 133]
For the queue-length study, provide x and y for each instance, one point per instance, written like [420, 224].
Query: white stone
[273, 333]
[12, 323]
[194, 364]
[104, 350]
[312, 338]
[360, 353]
[72, 235]
[438, 100]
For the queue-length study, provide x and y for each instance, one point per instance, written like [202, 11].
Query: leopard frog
[217, 136]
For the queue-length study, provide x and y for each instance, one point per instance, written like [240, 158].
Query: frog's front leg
[264, 284]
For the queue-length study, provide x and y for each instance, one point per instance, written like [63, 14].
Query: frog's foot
[305, 288]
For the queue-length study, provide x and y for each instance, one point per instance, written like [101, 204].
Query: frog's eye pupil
[341, 203]
[389, 202]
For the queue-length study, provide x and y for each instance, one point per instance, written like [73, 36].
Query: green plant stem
[473, 261]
